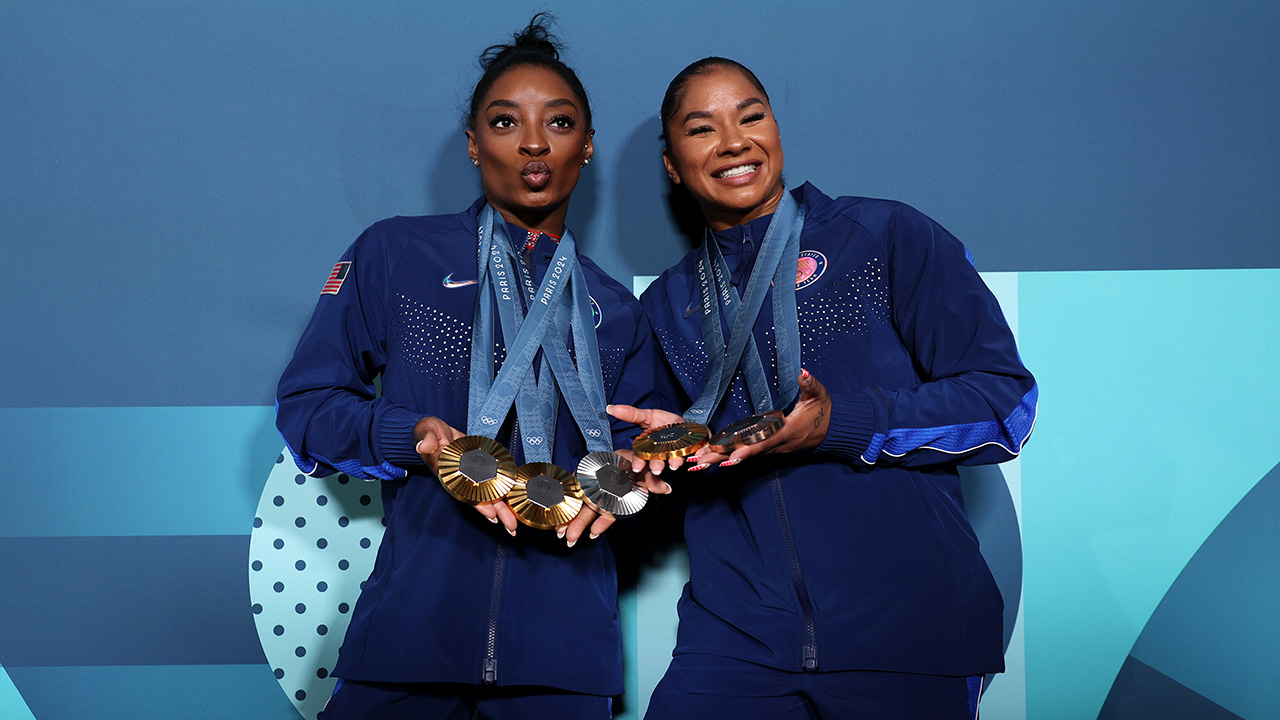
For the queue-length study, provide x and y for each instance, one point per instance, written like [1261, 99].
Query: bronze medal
[609, 486]
[476, 469]
[671, 441]
[748, 431]
[544, 495]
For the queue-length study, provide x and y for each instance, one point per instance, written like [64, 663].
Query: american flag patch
[334, 283]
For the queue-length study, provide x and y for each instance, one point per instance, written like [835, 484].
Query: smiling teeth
[740, 170]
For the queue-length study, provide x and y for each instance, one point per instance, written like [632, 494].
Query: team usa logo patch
[596, 316]
[336, 278]
[811, 266]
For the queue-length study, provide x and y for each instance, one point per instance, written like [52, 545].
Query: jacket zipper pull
[810, 657]
[490, 671]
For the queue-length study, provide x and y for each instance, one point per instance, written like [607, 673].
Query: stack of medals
[476, 468]
[774, 268]
[748, 431]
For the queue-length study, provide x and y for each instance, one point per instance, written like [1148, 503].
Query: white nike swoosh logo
[450, 283]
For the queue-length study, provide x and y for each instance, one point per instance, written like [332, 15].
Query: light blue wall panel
[1158, 413]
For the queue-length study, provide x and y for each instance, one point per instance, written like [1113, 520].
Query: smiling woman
[834, 573]
[455, 613]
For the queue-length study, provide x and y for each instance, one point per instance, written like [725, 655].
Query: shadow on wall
[657, 222]
[990, 508]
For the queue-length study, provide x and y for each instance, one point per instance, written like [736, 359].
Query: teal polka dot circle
[312, 547]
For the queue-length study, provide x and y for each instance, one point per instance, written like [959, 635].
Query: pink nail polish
[702, 466]
[730, 463]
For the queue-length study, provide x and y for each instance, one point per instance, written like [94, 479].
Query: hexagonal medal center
[614, 480]
[545, 491]
[478, 466]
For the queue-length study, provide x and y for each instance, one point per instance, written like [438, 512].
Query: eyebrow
[742, 105]
[559, 102]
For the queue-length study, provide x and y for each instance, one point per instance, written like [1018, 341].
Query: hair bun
[536, 37]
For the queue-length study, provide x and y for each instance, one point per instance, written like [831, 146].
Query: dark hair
[534, 45]
[675, 90]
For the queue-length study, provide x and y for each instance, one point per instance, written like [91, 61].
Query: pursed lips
[536, 174]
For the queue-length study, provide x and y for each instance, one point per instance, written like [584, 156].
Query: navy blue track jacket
[452, 597]
[858, 554]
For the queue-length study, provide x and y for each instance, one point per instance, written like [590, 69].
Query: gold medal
[748, 431]
[476, 469]
[609, 486]
[544, 495]
[671, 441]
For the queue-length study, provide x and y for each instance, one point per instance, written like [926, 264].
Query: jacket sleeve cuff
[395, 437]
[851, 427]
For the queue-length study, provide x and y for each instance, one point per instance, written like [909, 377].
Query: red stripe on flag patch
[334, 283]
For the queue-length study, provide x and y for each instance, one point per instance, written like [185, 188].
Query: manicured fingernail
[560, 534]
[594, 536]
[804, 373]
[731, 463]
[702, 466]
[493, 520]
[571, 542]
[513, 532]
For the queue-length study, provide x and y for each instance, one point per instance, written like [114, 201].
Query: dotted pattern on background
[313, 545]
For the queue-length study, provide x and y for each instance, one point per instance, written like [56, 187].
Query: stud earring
[586, 162]
[475, 162]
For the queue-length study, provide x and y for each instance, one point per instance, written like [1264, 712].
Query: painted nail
[513, 532]
[594, 536]
[702, 466]
[731, 463]
[804, 373]
[560, 534]
[571, 542]
[493, 519]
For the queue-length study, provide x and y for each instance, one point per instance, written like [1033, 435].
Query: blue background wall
[177, 179]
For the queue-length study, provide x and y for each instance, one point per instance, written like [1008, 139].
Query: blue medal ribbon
[775, 266]
[553, 308]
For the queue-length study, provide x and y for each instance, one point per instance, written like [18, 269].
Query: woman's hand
[586, 518]
[648, 419]
[804, 429]
[432, 435]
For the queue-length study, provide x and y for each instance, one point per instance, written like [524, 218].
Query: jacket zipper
[489, 673]
[810, 650]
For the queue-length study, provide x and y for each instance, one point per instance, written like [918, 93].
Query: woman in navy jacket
[460, 614]
[834, 573]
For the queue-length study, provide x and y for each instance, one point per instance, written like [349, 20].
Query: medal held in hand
[671, 441]
[748, 431]
[609, 486]
[476, 469]
[544, 495]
